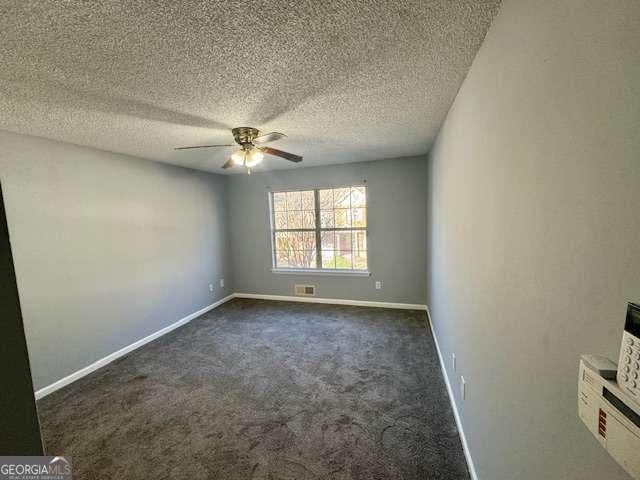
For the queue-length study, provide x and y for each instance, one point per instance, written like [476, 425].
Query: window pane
[359, 217]
[280, 220]
[308, 200]
[294, 201]
[342, 197]
[326, 219]
[282, 241]
[302, 240]
[343, 241]
[302, 259]
[326, 199]
[308, 240]
[360, 240]
[294, 219]
[296, 241]
[328, 259]
[308, 219]
[282, 259]
[358, 197]
[360, 260]
[343, 217]
[343, 260]
[328, 241]
[279, 202]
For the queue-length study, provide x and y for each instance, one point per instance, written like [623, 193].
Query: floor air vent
[305, 290]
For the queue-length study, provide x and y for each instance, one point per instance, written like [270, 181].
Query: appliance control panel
[629, 361]
[611, 416]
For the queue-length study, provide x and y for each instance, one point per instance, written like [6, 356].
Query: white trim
[319, 271]
[456, 414]
[333, 301]
[123, 351]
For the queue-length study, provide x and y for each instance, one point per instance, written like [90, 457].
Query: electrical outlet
[463, 387]
[222, 282]
[378, 284]
[453, 361]
[211, 287]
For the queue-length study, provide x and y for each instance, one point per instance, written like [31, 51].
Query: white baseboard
[465, 445]
[333, 301]
[123, 351]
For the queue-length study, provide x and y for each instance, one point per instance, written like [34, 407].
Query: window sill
[340, 273]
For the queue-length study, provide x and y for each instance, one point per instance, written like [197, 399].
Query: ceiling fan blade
[279, 153]
[269, 137]
[202, 146]
[228, 164]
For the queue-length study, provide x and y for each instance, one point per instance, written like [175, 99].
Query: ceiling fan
[249, 155]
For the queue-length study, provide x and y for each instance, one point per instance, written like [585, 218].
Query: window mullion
[316, 196]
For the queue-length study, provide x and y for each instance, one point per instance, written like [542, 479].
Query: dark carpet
[266, 390]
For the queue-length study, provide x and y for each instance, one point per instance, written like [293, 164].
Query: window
[321, 229]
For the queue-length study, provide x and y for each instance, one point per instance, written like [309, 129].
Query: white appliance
[629, 362]
[609, 412]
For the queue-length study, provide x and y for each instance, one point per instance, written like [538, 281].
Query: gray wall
[397, 230]
[107, 248]
[535, 222]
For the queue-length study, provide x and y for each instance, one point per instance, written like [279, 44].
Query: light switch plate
[463, 387]
[453, 361]
[222, 282]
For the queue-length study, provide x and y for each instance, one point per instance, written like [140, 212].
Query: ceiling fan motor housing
[245, 135]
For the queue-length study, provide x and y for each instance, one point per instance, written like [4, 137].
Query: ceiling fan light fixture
[254, 158]
[238, 157]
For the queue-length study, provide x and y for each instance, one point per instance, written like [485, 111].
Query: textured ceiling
[345, 80]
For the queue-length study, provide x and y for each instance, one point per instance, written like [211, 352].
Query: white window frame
[318, 270]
